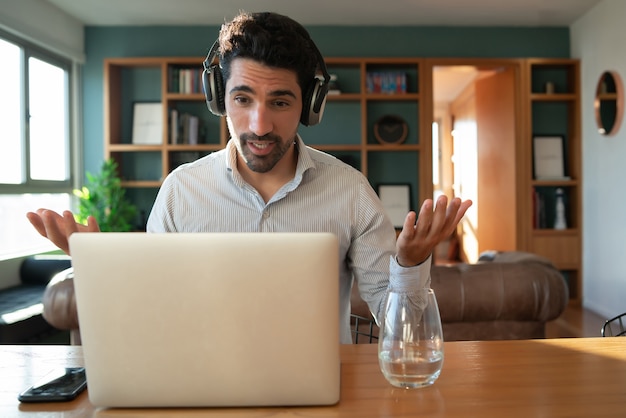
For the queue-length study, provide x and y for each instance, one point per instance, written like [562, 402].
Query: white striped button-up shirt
[326, 195]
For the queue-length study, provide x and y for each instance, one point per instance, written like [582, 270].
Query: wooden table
[569, 377]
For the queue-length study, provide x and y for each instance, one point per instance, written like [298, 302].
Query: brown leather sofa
[506, 295]
[509, 295]
[59, 304]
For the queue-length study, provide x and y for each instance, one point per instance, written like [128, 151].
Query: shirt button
[266, 215]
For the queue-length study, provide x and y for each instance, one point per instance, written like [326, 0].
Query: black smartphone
[63, 384]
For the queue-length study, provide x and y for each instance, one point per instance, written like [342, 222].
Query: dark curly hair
[272, 39]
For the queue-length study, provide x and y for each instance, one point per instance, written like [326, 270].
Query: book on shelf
[539, 210]
[185, 80]
[184, 128]
[173, 126]
[550, 207]
[386, 82]
[192, 128]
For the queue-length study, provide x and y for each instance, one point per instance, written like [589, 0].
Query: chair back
[615, 327]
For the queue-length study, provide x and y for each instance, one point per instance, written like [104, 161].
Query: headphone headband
[208, 81]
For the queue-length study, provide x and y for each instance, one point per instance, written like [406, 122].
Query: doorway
[475, 131]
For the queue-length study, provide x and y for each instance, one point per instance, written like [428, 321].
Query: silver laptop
[208, 319]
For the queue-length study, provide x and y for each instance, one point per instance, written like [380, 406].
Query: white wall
[598, 39]
[40, 22]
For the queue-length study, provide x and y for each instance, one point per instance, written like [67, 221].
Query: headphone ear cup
[214, 90]
[220, 96]
[314, 102]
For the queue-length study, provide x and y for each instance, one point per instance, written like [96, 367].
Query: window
[436, 138]
[35, 142]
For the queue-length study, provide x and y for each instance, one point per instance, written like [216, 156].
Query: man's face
[263, 106]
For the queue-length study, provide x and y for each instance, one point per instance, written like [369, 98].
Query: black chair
[360, 322]
[615, 327]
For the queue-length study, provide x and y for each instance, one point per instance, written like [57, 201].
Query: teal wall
[102, 42]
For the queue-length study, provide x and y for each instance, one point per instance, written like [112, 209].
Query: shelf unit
[132, 80]
[347, 131]
[554, 114]
[347, 128]
[146, 79]
[143, 167]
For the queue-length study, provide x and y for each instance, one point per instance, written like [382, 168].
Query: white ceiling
[449, 81]
[332, 12]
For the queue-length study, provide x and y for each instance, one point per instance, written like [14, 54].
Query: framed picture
[548, 157]
[147, 123]
[396, 199]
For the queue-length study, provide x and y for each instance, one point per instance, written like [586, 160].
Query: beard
[263, 163]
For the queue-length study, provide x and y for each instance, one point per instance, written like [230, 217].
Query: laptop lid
[208, 319]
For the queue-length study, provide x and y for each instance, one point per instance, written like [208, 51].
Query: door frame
[521, 122]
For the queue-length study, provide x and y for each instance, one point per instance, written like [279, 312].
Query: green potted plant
[105, 199]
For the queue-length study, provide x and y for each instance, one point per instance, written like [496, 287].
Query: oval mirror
[609, 103]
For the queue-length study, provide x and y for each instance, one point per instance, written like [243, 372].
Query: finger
[69, 223]
[461, 210]
[451, 216]
[453, 208]
[455, 213]
[425, 218]
[54, 224]
[36, 221]
[92, 224]
[408, 228]
[440, 215]
[464, 207]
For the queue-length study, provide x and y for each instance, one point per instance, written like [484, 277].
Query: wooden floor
[575, 322]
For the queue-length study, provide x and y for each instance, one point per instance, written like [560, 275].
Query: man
[267, 180]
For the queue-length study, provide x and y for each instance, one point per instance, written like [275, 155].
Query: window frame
[29, 185]
[41, 190]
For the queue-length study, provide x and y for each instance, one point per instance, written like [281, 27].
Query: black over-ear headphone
[313, 96]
